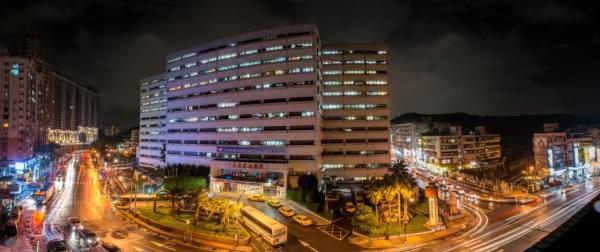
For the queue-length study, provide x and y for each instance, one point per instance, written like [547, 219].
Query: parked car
[350, 207]
[302, 220]
[110, 247]
[286, 211]
[274, 203]
[74, 223]
[257, 197]
[57, 246]
[90, 238]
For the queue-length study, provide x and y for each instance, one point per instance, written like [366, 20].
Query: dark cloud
[486, 57]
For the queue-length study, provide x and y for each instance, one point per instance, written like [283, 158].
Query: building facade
[355, 110]
[153, 118]
[562, 154]
[73, 111]
[405, 140]
[449, 148]
[262, 108]
[22, 109]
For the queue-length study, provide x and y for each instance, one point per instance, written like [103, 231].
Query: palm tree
[375, 197]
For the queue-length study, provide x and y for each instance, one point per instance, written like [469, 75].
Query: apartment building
[405, 140]
[450, 148]
[355, 110]
[73, 111]
[153, 118]
[22, 109]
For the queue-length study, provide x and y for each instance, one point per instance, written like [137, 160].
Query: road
[81, 197]
[515, 227]
[316, 238]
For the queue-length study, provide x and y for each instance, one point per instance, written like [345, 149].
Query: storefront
[249, 177]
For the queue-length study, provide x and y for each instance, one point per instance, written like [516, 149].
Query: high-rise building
[73, 111]
[26, 45]
[253, 109]
[247, 106]
[22, 109]
[153, 100]
[355, 110]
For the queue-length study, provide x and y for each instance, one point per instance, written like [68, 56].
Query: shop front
[249, 177]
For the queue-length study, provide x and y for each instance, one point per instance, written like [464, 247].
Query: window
[274, 48]
[273, 142]
[332, 106]
[331, 52]
[226, 104]
[332, 83]
[381, 52]
[334, 93]
[376, 82]
[332, 72]
[227, 56]
[376, 93]
[249, 52]
[308, 113]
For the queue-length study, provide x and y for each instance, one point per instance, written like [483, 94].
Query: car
[257, 197]
[274, 203]
[57, 246]
[350, 207]
[110, 247]
[74, 223]
[286, 211]
[302, 220]
[119, 234]
[90, 238]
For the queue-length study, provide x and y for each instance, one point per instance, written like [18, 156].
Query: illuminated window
[352, 93]
[331, 83]
[331, 52]
[226, 104]
[273, 142]
[227, 56]
[376, 82]
[376, 93]
[15, 70]
[381, 52]
[308, 113]
[273, 48]
[333, 93]
[332, 106]
[332, 72]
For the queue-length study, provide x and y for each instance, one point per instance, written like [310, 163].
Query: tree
[375, 197]
[174, 188]
[364, 217]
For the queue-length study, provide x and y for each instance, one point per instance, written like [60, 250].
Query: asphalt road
[81, 198]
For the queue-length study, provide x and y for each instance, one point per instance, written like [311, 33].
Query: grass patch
[297, 197]
[415, 225]
[163, 217]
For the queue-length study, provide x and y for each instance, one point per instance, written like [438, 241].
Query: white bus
[270, 230]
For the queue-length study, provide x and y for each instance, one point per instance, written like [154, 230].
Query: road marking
[160, 245]
[306, 245]
[137, 248]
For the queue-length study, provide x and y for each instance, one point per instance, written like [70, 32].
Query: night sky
[483, 57]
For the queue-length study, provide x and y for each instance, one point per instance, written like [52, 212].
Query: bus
[270, 230]
[43, 195]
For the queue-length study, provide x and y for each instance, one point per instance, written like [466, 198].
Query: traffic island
[205, 233]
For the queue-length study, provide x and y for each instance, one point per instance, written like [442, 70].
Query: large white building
[356, 111]
[250, 107]
[153, 116]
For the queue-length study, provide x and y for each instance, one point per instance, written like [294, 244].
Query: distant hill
[516, 131]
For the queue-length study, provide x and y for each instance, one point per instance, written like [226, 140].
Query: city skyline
[505, 58]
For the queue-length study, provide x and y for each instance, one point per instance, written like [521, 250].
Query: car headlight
[89, 240]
